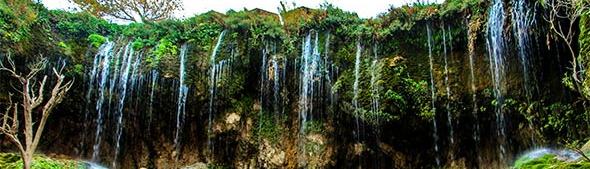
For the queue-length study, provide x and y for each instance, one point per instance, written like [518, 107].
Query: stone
[196, 166]
[586, 148]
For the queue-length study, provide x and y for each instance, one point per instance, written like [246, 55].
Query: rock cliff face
[417, 87]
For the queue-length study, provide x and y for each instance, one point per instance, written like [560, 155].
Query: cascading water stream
[280, 17]
[118, 76]
[263, 75]
[91, 85]
[154, 79]
[471, 46]
[276, 79]
[181, 109]
[310, 74]
[357, 68]
[123, 84]
[448, 88]
[375, 76]
[329, 72]
[104, 55]
[522, 19]
[496, 45]
[212, 86]
[432, 90]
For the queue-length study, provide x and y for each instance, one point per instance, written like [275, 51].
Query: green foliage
[405, 95]
[166, 48]
[567, 80]
[137, 45]
[79, 69]
[25, 29]
[558, 121]
[257, 25]
[67, 49]
[80, 25]
[268, 129]
[555, 120]
[13, 161]
[97, 40]
[314, 127]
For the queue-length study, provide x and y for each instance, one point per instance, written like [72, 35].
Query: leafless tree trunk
[33, 96]
[562, 16]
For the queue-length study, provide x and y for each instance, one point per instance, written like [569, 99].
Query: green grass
[14, 161]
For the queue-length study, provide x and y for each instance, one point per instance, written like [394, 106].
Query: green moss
[547, 161]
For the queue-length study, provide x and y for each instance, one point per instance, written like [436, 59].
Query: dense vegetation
[403, 85]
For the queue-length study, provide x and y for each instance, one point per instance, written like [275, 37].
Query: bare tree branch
[146, 10]
[33, 97]
[565, 13]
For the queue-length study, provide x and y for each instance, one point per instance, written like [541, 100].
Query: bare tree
[562, 16]
[132, 10]
[33, 96]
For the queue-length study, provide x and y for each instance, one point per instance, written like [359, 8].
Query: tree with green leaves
[132, 10]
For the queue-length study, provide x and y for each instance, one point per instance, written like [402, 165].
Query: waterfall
[106, 47]
[432, 90]
[154, 79]
[115, 74]
[448, 87]
[276, 78]
[471, 47]
[181, 109]
[123, 84]
[522, 19]
[329, 72]
[263, 75]
[496, 45]
[357, 68]
[305, 82]
[103, 62]
[375, 76]
[280, 17]
[310, 74]
[213, 77]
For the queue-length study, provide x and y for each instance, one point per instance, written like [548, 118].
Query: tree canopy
[132, 10]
